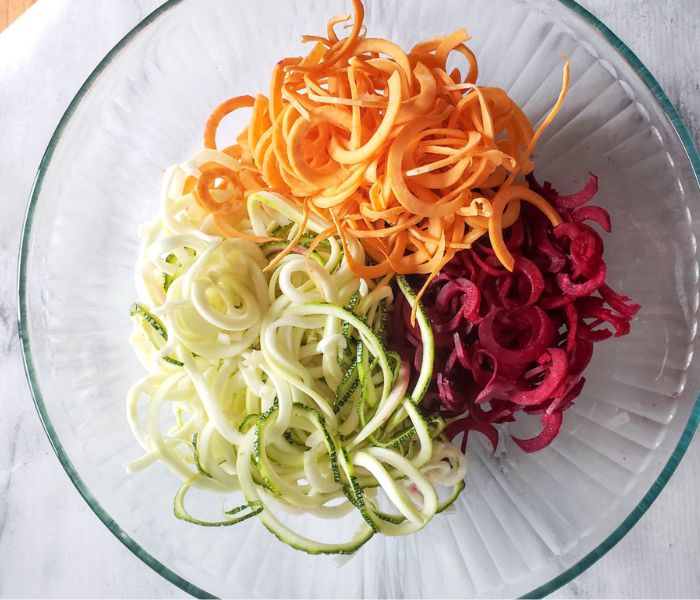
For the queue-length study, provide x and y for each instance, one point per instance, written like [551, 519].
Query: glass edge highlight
[628, 55]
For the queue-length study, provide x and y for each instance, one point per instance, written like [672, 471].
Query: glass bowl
[526, 524]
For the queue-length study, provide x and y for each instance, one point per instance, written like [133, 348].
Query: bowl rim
[30, 370]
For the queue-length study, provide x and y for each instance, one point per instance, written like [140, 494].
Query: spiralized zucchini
[275, 371]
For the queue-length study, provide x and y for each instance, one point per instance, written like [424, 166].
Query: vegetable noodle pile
[266, 278]
[394, 149]
[278, 383]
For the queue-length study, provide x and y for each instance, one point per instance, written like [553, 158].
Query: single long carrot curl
[412, 158]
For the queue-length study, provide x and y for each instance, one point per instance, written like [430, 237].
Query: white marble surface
[51, 544]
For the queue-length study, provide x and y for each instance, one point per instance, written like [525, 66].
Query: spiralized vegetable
[513, 343]
[395, 149]
[268, 350]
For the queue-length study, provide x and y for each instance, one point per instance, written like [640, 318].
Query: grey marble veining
[50, 542]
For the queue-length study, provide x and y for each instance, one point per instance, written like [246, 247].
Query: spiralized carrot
[414, 160]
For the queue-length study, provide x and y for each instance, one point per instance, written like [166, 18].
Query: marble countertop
[51, 544]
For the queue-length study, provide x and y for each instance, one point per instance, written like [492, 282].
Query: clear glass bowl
[526, 523]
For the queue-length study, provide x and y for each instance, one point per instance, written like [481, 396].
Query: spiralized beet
[593, 213]
[524, 287]
[518, 342]
[465, 424]
[619, 302]
[516, 337]
[552, 380]
[551, 424]
[577, 199]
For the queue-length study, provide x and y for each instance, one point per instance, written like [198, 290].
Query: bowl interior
[525, 522]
